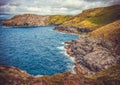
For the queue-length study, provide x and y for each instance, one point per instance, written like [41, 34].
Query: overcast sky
[50, 7]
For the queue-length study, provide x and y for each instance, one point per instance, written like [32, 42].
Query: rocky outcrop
[109, 33]
[70, 29]
[91, 56]
[26, 20]
[96, 51]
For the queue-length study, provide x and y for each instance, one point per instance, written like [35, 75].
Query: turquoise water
[37, 50]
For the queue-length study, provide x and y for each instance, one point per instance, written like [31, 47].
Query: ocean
[36, 50]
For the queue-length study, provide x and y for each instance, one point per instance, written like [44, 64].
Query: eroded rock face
[91, 55]
[26, 20]
[71, 29]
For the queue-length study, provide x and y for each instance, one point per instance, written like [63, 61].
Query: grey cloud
[4, 2]
[48, 7]
[112, 2]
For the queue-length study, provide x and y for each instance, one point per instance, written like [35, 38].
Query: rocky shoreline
[70, 29]
[90, 55]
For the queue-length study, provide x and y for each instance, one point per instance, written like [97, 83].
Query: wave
[70, 67]
[61, 48]
[38, 76]
[62, 43]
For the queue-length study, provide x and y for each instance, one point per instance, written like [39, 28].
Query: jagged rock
[92, 55]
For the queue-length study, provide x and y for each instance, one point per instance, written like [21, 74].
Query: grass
[106, 77]
[57, 19]
[95, 18]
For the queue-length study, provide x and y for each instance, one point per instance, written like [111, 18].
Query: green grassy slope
[110, 76]
[111, 33]
[57, 19]
[92, 18]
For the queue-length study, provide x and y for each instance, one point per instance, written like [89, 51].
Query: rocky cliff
[98, 50]
[26, 20]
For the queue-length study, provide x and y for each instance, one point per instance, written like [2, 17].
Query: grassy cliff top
[57, 19]
[95, 18]
[106, 77]
[108, 32]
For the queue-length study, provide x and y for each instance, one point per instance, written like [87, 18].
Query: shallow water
[37, 50]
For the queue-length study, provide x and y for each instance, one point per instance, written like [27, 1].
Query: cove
[36, 50]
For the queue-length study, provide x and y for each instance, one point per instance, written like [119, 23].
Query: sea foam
[61, 48]
[70, 67]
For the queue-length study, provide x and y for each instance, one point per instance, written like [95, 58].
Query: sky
[51, 7]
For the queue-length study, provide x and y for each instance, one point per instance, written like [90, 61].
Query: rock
[91, 55]
[26, 20]
[67, 42]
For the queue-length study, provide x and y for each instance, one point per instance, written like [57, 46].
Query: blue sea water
[37, 50]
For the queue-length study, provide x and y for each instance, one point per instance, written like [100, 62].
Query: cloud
[4, 2]
[49, 7]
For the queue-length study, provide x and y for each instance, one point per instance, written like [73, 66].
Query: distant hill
[90, 19]
[57, 19]
[26, 20]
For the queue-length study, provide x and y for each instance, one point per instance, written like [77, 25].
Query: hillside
[89, 19]
[26, 20]
[92, 18]
[109, 33]
[57, 19]
[35, 20]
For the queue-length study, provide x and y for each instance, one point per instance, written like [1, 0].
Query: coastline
[93, 58]
[64, 52]
[76, 68]
[86, 53]
[72, 59]
[90, 55]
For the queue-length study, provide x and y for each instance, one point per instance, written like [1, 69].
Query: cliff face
[97, 51]
[109, 33]
[26, 20]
